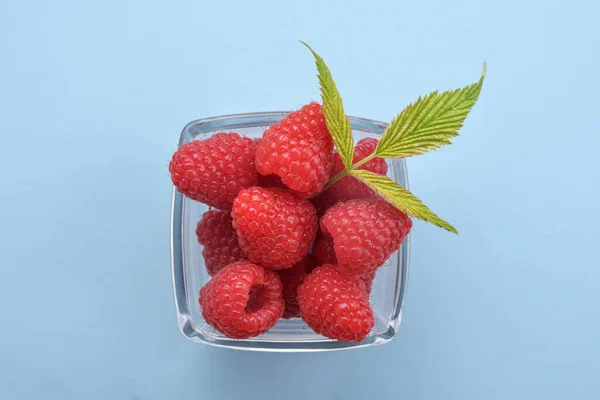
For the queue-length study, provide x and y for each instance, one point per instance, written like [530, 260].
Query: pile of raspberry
[277, 245]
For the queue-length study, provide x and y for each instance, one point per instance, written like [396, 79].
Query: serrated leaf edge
[417, 209]
[439, 131]
[333, 109]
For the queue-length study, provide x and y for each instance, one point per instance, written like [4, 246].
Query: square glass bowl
[189, 272]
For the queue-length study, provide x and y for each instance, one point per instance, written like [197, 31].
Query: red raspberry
[291, 278]
[298, 149]
[242, 300]
[335, 305]
[367, 280]
[214, 170]
[349, 187]
[268, 181]
[274, 227]
[215, 232]
[365, 233]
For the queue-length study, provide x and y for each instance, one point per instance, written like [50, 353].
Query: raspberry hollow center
[255, 299]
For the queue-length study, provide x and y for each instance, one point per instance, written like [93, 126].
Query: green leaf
[430, 122]
[333, 109]
[401, 198]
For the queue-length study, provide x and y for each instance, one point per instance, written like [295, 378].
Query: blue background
[93, 96]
